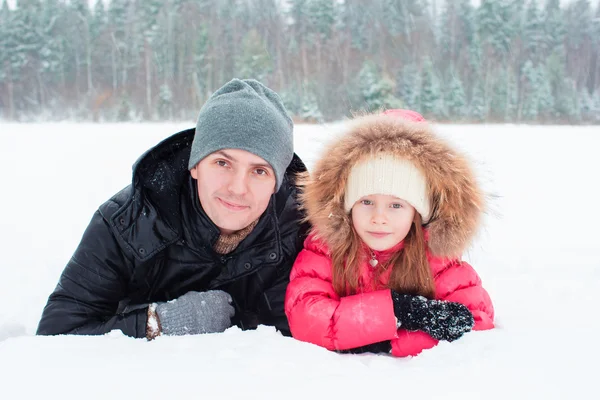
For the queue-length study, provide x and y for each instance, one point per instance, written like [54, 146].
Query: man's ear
[194, 172]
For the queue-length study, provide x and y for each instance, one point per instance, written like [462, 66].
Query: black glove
[443, 320]
[379, 347]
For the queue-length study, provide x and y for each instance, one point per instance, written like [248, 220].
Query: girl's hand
[442, 320]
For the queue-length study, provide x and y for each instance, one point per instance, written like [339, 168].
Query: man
[205, 236]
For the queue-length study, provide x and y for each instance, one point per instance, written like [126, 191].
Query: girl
[392, 208]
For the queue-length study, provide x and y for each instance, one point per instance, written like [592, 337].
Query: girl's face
[382, 221]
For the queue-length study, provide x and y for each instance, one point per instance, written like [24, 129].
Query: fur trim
[456, 199]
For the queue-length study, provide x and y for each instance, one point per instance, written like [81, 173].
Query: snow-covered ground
[537, 257]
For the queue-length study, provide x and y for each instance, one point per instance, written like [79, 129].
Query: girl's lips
[378, 234]
[230, 206]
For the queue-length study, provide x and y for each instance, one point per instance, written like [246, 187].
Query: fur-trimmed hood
[457, 201]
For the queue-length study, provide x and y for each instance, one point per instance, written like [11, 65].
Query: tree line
[502, 61]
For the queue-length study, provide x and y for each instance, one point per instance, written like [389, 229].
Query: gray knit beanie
[245, 115]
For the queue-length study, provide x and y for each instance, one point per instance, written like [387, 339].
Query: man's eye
[260, 171]
[221, 163]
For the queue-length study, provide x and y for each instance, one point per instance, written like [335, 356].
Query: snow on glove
[196, 312]
[442, 320]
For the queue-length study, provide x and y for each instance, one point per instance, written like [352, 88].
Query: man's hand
[196, 312]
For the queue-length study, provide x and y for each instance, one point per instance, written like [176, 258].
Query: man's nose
[238, 184]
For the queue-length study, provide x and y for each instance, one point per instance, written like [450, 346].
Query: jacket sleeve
[316, 313]
[458, 282]
[88, 293]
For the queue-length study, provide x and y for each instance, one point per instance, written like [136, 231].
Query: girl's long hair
[410, 274]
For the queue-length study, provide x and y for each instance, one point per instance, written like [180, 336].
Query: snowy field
[538, 256]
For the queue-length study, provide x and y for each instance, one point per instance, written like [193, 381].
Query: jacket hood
[456, 199]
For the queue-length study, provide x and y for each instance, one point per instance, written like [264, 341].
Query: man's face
[234, 187]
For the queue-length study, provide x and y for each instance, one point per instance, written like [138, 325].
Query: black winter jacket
[152, 242]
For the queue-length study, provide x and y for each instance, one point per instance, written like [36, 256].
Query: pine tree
[555, 73]
[300, 26]
[567, 104]
[409, 87]
[456, 29]
[102, 46]
[478, 109]
[150, 35]
[321, 17]
[579, 42]
[310, 111]
[578, 23]
[530, 101]
[595, 111]
[476, 54]
[595, 69]
[99, 19]
[554, 27]
[544, 94]
[52, 51]
[6, 54]
[200, 68]
[586, 104]
[79, 15]
[358, 19]
[503, 101]
[377, 91]
[321, 20]
[26, 60]
[456, 100]
[431, 100]
[291, 100]
[120, 51]
[165, 103]
[399, 16]
[490, 29]
[533, 34]
[5, 27]
[254, 60]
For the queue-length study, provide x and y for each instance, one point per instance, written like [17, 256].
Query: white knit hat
[388, 175]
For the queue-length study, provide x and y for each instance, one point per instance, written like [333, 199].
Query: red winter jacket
[318, 315]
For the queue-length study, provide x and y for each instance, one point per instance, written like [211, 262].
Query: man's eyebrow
[228, 156]
[262, 165]
[222, 153]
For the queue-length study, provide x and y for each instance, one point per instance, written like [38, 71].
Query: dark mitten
[379, 347]
[443, 320]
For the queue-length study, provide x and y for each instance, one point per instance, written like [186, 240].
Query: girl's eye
[396, 205]
[366, 202]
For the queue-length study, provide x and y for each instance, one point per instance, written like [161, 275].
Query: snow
[536, 256]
